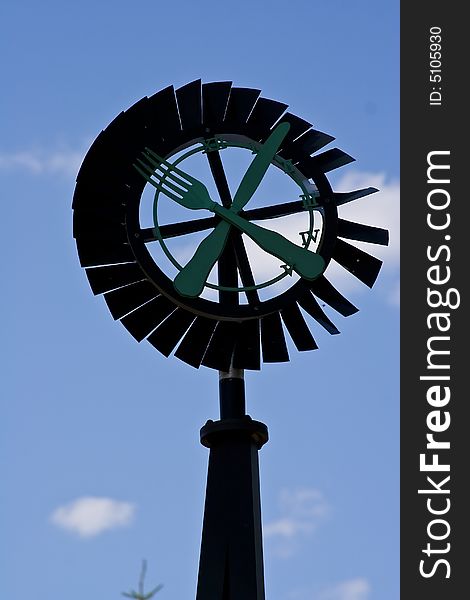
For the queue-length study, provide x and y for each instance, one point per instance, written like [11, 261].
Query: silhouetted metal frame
[112, 245]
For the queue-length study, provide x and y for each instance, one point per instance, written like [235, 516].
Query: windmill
[142, 196]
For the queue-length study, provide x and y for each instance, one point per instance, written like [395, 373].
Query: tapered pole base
[231, 561]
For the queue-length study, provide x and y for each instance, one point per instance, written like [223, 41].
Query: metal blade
[273, 341]
[240, 105]
[221, 346]
[95, 252]
[93, 193]
[324, 162]
[311, 306]
[307, 144]
[324, 290]
[298, 126]
[247, 349]
[168, 334]
[98, 213]
[298, 328]
[115, 149]
[165, 112]
[264, 115]
[194, 344]
[125, 299]
[362, 233]
[99, 227]
[145, 319]
[362, 265]
[189, 99]
[344, 197]
[214, 102]
[105, 279]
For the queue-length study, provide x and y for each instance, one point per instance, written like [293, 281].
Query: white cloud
[302, 510]
[352, 589]
[89, 516]
[35, 162]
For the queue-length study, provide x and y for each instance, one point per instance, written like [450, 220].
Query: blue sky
[100, 459]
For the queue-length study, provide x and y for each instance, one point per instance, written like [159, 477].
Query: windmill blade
[92, 222]
[122, 140]
[263, 116]
[340, 198]
[221, 346]
[324, 162]
[298, 328]
[104, 251]
[87, 174]
[308, 143]
[273, 341]
[169, 333]
[99, 197]
[142, 321]
[324, 290]
[105, 279]
[99, 223]
[189, 99]
[128, 298]
[247, 349]
[100, 233]
[194, 344]
[362, 265]
[104, 198]
[214, 102]
[362, 233]
[165, 113]
[137, 119]
[240, 105]
[297, 127]
[307, 301]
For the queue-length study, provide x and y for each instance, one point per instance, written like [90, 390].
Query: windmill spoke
[220, 179]
[276, 210]
[227, 263]
[257, 214]
[244, 268]
[177, 229]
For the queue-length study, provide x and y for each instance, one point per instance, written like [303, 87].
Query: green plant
[140, 595]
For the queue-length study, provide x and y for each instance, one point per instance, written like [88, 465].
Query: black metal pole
[232, 394]
[231, 561]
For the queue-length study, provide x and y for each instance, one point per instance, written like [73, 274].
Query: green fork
[191, 193]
